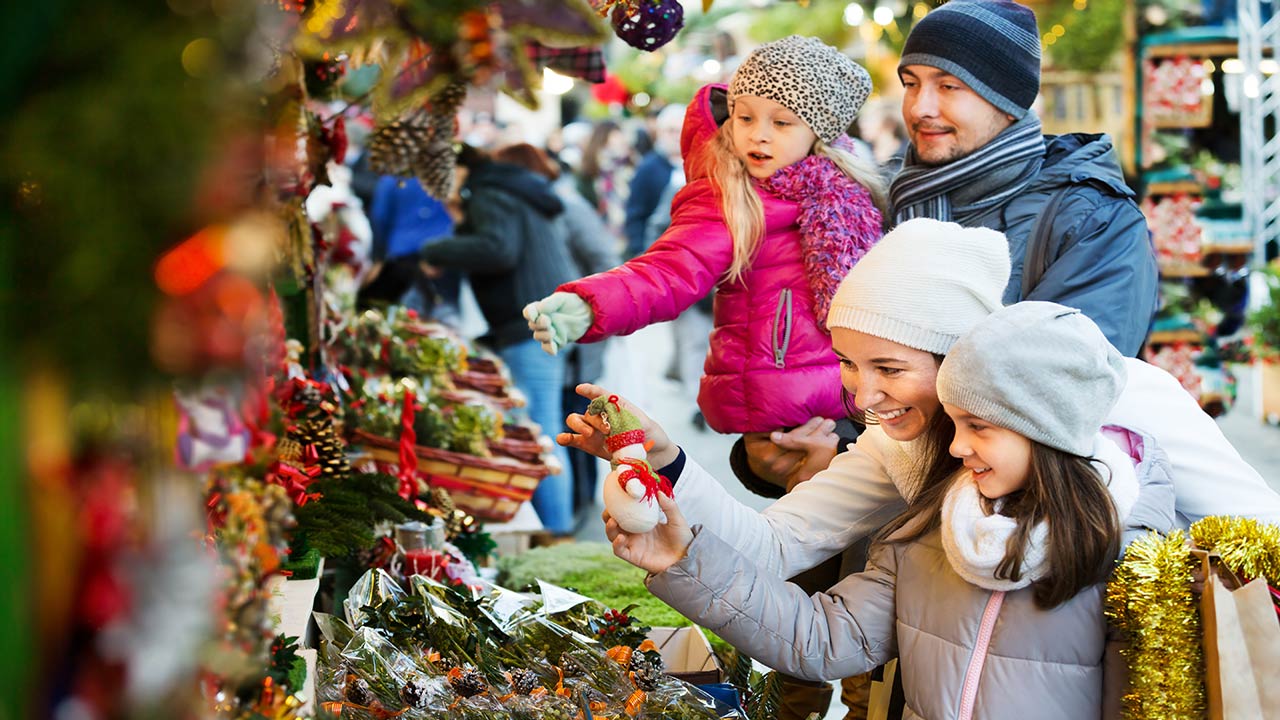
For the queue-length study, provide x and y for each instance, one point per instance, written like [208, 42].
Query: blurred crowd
[524, 218]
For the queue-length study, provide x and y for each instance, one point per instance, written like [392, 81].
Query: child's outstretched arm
[681, 268]
[844, 631]
[587, 432]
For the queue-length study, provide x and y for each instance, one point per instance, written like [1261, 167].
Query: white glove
[558, 319]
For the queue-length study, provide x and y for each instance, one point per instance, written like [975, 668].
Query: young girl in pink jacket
[775, 213]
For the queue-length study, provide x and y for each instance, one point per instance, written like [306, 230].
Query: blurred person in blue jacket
[406, 219]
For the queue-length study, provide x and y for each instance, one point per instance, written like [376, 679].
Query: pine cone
[570, 666]
[646, 672]
[468, 682]
[414, 692]
[524, 682]
[588, 695]
[358, 691]
[435, 164]
[448, 101]
[442, 501]
[395, 147]
[444, 663]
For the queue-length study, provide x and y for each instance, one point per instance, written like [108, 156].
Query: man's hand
[768, 461]
[588, 433]
[658, 549]
[819, 443]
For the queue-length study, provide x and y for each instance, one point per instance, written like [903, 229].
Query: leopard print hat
[808, 77]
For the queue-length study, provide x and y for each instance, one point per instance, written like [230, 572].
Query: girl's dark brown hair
[1062, 489]
[528, 157]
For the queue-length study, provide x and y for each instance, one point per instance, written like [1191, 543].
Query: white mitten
[558, 319]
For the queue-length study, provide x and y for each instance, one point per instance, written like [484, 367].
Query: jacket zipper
[969, 693]
[782, 320]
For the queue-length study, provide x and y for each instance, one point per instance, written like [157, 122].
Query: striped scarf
[988, 177]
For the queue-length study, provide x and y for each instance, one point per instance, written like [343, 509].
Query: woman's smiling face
[895, 382]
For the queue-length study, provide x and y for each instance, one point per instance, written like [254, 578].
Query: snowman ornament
[631, 488]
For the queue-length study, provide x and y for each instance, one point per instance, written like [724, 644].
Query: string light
[854, 14]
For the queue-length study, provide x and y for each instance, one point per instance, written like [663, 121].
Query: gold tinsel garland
[1149, 599]
[1248, 547]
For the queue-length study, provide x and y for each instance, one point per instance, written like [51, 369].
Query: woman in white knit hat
[990, 585]
[894, 318]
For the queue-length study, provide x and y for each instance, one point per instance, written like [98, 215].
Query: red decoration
[408, 456]
[611, 91]
[426, 562]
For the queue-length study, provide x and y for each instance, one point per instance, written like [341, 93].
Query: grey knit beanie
[993, 46]
[924, 284]
[808, 77]
[1040, 369]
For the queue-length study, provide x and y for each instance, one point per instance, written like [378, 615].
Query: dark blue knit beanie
[994, 47]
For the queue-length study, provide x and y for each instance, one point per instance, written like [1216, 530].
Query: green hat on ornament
[623, 426]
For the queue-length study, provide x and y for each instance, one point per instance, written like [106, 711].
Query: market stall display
[1191, 192]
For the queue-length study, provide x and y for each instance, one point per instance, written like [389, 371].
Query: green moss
[593, 570]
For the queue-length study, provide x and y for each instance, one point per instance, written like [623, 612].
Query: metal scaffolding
[1260, 139]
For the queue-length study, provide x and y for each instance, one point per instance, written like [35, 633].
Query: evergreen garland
[343, 520]
[766, 696]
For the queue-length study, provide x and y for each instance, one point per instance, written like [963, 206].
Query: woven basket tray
[489, 488]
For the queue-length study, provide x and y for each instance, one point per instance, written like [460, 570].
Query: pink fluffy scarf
[838, 221]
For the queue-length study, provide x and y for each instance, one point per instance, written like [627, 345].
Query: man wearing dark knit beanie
[971, 71]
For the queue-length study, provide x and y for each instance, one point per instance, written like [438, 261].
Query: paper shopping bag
[1241, 649]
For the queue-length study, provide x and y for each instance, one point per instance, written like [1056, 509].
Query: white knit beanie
[924, 284]
[1040, 369]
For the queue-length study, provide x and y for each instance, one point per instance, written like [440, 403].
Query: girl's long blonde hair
[740, 204]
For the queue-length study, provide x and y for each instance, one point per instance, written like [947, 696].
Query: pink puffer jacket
[770, 365]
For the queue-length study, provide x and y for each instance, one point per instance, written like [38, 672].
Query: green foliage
[1265, 321]
[765, 696]
[343, 520]
[471, 427]
[1092, 37]
[477, 546]
[108, 134]
[821, 19]
[287, 669]
[737, 668]
[304, 562]
[593, 570]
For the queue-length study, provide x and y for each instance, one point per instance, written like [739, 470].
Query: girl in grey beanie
[1022, 536]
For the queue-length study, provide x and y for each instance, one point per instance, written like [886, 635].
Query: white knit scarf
[975, 542]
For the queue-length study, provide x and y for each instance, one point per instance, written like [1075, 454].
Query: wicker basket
[490, 488]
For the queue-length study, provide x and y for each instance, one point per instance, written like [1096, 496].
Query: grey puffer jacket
[1101, 257]
[910, 603]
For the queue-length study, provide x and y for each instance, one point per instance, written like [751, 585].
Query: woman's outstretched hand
[658, 549]
[587, 432]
